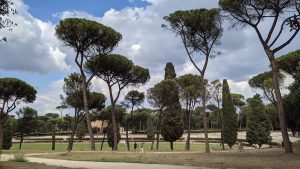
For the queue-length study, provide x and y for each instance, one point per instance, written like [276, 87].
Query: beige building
[100, 125]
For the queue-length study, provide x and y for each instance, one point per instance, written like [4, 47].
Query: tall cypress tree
[172, 123]
[229, 118]
[258, 125]
[170, 71]
[150, 130]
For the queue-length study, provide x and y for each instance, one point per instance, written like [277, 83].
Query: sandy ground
[98, 165]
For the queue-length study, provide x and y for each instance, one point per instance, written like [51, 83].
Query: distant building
[100, 125]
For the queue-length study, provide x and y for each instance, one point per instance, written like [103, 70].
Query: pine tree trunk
[171, 145]
[152, 144]
[103, 139]
[127, 140]
[1, 132]
[131, 119]
[71, 140]
[220, 121]
[53, 138]
[204, 114]
[241, 120]
[158, 130]
[279, 104]
[115, 130]
[87, 114]
[188, 139]
[21, 141]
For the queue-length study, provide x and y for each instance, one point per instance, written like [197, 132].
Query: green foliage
[172, 124]
[237, 100]
[7, 136]
[125, 74]
[5, 10]
[189, 88]
[289, 62]
[273, 115]
[292, 106]
[81, 130]
[83, 35]
[150, 128]
[15, 90]
[74, 98]
[258, 125]
[106, 114]
[27, 120]
[200, 29]
[264, 82]
[110, 135]
[163, 94]
[170, 71]
[248, 13]
[134, 98]
[229, 118]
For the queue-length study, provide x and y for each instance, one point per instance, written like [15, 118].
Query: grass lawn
[250, 159]
[46, 147]
[25, 165]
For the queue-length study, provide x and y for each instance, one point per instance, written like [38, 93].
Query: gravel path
[98, 165]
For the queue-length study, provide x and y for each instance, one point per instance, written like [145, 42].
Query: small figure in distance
[142, 147]
[135, 146]
[241, 147]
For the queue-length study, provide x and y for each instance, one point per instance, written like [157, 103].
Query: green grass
[46, 147]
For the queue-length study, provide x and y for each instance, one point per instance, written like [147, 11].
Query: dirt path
[98, 165]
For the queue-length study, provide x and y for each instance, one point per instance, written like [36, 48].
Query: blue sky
[35, 55]
[45, 9]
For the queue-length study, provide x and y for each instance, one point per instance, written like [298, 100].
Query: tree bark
[152, 144]
[127, 140]
[115, 130]
[171, 145]
[131, 119]
[87, 114]
[187, 145]
[204, 114]
[220, 121]
[71, 140]
[279, 104]
[53, 138]
[158, 130]
[103, 139]
[1, 133]
[21, 140]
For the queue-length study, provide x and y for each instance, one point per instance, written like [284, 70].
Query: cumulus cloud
[31, 46]
[147, 44]
[144, 42]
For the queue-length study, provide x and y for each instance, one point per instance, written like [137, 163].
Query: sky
[35, 55]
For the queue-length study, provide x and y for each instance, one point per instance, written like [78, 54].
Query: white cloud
[144, 41]
[31, 46]
[147, 44]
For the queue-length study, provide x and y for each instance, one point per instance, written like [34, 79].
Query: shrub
[19, 157]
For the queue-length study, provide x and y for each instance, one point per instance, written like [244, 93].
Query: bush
[7, 137]
[110, 135]
[19, 157]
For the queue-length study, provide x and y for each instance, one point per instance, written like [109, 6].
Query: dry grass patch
[251, 159]
[25, 165]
